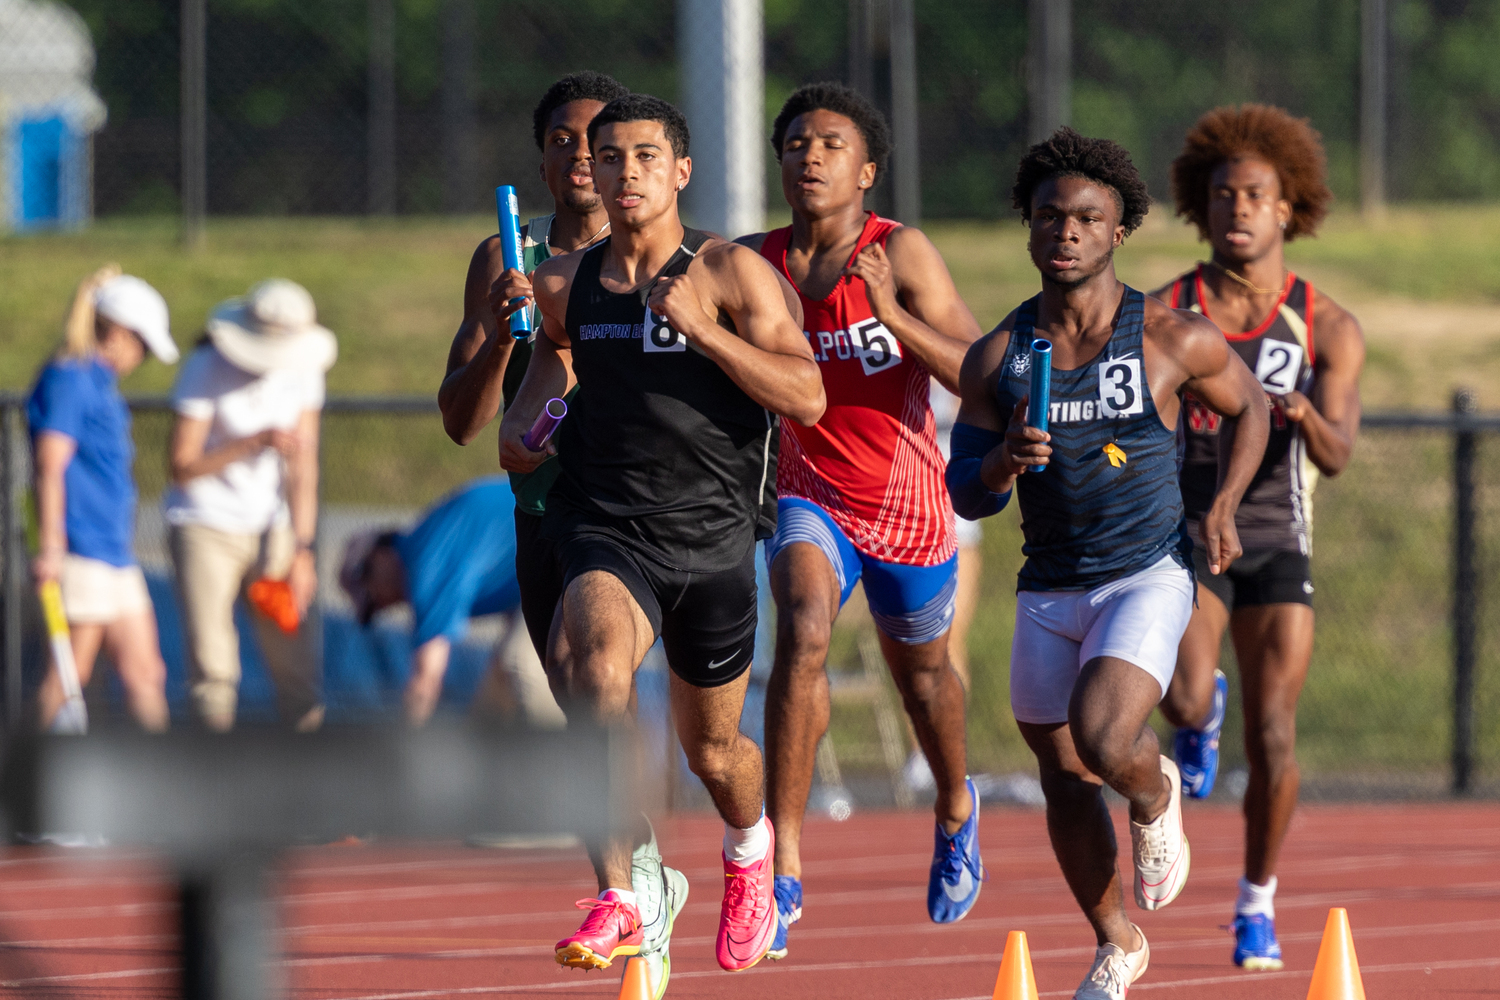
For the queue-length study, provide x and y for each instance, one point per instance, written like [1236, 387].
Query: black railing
[1467, 428]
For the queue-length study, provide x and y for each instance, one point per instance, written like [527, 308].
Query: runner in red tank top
[862, 493]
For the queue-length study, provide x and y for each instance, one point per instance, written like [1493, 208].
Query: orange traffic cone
[1336, 976]
[637, 982]
[1016, 981]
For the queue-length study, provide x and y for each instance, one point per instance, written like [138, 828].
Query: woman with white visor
[86, 494]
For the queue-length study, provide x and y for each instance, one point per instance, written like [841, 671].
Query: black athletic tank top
[1276, 512]
[660, 446]
[1108, 503]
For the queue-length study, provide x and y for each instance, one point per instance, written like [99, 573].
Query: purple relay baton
[546, 422]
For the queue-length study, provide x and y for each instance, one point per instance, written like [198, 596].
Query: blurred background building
[49, 113]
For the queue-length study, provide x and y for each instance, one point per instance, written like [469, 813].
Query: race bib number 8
[1278, 365]
[1120, 392]
[657, 335]
[878, 347]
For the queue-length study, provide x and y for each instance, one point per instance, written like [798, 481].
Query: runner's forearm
[942, 355]
[1329, 445]
[471, 395]
[786, 385]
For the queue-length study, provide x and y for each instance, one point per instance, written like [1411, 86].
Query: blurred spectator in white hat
[85, 492]
[243, 505]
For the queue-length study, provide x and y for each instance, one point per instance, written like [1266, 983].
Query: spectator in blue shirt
[85, 494]
[457, 562]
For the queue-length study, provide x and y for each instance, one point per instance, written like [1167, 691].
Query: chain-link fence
[1376, 719]
[354, 106]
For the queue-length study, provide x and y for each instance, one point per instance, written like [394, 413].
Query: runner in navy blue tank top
[1105, 593]
[1251, 178]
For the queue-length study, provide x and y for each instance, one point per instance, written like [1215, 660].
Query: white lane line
[84, 912]
[1454, 927]
[86, 976]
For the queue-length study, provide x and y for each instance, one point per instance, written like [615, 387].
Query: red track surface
[1422, 885]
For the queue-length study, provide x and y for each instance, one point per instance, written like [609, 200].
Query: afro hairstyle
[644, 108]
[583, 86]
[841, 100]
[1069, 154]
[1289, 144]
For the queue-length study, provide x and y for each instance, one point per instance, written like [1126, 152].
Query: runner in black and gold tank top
[1251, 179]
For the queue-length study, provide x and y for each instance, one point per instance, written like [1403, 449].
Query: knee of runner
[1066, 790]
[808, 630]
[710, 760]
[598, 679]
[1101, 740]
[1274, 741]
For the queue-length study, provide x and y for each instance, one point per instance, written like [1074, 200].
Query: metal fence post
[1465, 597]
[11, 579]
[194, 122]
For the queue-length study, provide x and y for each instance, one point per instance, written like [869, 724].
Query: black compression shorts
[706, 621]
[1259, 577]
[538, 577]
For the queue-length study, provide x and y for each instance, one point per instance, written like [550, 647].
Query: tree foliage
[287, 88]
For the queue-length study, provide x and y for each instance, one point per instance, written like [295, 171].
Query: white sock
[622, 895]
[1255, 899]
[745, 847]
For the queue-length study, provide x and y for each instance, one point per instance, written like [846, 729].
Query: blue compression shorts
[911, 604]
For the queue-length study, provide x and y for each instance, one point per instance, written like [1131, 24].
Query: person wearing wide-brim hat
[243, 506]
[85, 491]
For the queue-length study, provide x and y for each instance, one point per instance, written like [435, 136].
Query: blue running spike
[957, 872]
[1255, 944]
[1197, 750]
[788, 911]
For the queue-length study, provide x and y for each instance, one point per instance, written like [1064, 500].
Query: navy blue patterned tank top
[1108, 503]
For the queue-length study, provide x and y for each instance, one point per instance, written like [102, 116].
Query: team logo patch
[1020, 364]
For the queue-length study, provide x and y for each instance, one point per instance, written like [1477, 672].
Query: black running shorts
[538, 577]
[706, 621]
[1259, 577]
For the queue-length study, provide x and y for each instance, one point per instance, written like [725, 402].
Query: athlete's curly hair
[587, 85]
[1289, 144]
[841, 100]
[1068, 154]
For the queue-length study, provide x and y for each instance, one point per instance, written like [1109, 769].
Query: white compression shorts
[1138, 618]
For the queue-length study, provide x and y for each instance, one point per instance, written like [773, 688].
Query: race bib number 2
[1120, 392]
[657, 335]
[1278, 365]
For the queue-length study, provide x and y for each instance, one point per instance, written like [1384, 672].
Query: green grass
[1377, 701]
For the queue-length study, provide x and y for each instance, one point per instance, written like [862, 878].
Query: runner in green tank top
[486, 365]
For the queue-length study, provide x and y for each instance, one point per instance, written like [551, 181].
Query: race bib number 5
[1120, 392]
[878, 347]
[657, 335]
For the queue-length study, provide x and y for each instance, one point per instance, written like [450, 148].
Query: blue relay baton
[508, 208]
[1040, 403]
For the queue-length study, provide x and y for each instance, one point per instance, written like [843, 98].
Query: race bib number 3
[878, 347]
[657, 335]
[1120, 392]
[1278, 365]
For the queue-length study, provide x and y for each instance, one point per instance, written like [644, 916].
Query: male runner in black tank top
[684, 352]
[1104, 596]
[1251, 179]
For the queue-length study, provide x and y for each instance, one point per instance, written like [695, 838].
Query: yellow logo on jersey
[1114, 454]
